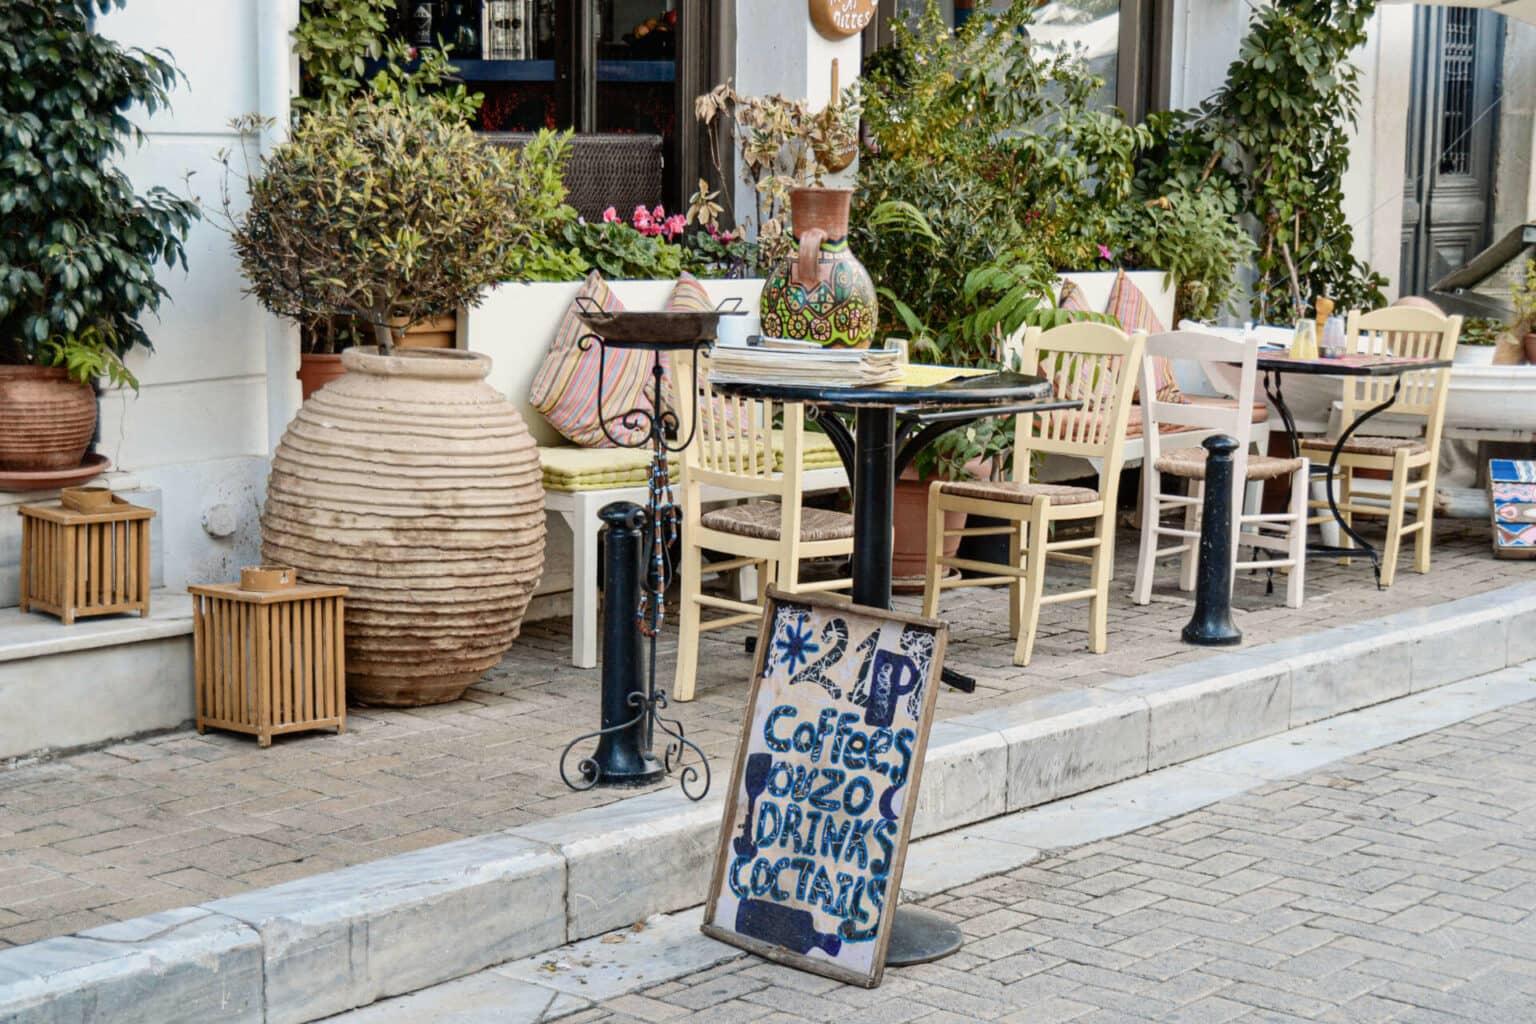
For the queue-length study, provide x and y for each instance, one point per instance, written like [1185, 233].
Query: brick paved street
[143, 826]
[1394, 886]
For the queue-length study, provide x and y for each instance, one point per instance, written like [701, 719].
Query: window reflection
[1092, 25]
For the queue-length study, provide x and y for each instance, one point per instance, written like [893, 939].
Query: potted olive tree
[408, 479]
[78, 247]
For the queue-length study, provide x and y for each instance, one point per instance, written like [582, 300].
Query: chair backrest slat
[1093, 363]
[734, 442]
[1235, 420]
[1406, 332]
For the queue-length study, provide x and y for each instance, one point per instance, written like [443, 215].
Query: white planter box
[516, 323]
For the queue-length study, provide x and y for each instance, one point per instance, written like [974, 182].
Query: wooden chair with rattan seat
[1284, 533]
[1089, 362]
[1409, 333]
[736, 448]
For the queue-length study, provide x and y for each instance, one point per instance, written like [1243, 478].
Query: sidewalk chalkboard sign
[819, 808]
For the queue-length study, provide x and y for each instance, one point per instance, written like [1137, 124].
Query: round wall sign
[840, 18]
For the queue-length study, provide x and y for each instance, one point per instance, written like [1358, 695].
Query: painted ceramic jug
[824, 294]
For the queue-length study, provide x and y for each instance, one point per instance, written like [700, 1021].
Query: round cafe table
[892, 423]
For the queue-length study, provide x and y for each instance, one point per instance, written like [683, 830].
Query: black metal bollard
[623, 757]
[1212, 624]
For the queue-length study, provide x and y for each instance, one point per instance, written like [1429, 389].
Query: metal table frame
[892, 423]
[1275, 368]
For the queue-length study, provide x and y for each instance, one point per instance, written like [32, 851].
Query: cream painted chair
[1411, 461]
[1283, 532]
[1088, 362]
[734, 449]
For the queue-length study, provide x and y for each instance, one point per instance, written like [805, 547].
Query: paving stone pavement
[1398, 885]
[139, 827]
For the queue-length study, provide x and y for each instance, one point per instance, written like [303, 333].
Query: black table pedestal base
[920, 937]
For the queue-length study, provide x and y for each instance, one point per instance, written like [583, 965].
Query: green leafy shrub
[988, 169]
[1276, 133]
[78, 246]
[383, 210]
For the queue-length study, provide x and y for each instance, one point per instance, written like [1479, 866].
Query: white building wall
[199, 428]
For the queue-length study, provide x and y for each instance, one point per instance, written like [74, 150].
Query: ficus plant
[79, 246]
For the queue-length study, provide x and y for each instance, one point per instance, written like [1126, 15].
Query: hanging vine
[1276, 131]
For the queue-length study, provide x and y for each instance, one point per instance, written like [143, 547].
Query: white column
[778, 50]
[277, 81]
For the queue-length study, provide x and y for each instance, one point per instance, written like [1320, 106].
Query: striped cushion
[1071, 298]
[566, 387]
[1128, 305]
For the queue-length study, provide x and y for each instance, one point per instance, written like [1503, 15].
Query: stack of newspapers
[789, 361]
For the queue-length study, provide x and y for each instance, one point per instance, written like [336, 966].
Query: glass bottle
[464, 21]
[422, 15]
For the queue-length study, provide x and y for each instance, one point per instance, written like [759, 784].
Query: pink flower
[1104, 253]
[610, 215]
[659, 213]
[675, 225]
[642, 219]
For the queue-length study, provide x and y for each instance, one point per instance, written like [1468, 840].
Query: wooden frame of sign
[828, 768]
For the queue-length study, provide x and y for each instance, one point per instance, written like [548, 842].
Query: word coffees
[820, 806]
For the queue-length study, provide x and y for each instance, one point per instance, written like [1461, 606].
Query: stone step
[107, 678]
[346, 938]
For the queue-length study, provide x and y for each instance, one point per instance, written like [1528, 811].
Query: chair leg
[1151, 516]
[931, 558]
[1098, 604]
[1423, 543]
[1033, 583]
[585, 528]
[688, 621]
[1188, 561]
[1016, 549]
[1295, 591]
[1346, 498]
[1394, 542]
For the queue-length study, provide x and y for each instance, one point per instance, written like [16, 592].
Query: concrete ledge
[344, 939]
[184, 966]
[349, 937]
[97, 680]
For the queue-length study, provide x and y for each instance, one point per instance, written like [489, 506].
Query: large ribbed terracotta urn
[413, 482]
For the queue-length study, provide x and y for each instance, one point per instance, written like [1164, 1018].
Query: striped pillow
[566, 387]
[1128, 305]
[1071, 299]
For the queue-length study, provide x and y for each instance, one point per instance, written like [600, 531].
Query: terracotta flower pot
[48, 418]
[909, 546]
[1529, 341]
[413, 482]
[316, 371]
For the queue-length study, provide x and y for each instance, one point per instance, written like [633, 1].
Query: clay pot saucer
[52, 479]
[267, 578]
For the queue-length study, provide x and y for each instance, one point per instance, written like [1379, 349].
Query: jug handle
[806, 272]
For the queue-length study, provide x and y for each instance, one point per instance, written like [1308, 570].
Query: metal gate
[1452, 117]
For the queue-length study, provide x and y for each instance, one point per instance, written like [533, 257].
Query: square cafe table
[1275, 364]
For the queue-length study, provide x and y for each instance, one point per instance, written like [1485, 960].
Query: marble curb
[331, 942]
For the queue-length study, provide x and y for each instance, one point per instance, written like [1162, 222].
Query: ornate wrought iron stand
[632, 704]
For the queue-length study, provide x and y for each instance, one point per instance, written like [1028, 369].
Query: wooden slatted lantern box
[269, 654]
[86, 555]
